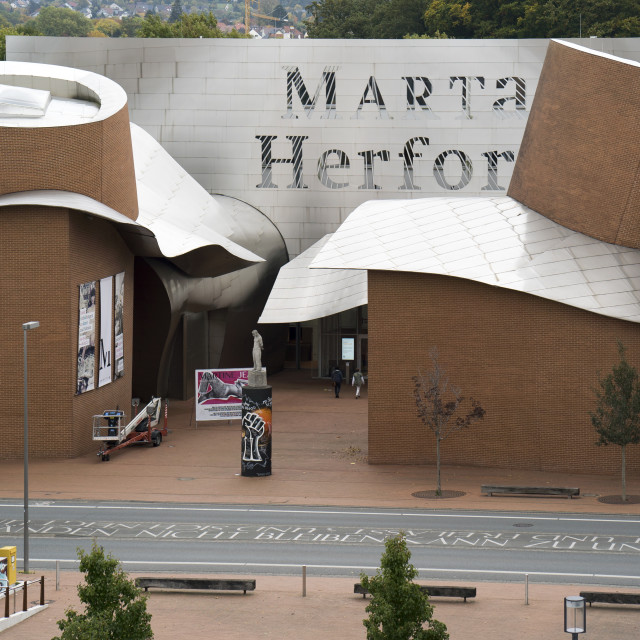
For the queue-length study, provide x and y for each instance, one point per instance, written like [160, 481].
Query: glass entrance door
[363, 353]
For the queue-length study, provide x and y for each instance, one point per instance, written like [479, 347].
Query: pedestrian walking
[357, 381]
[337, 378]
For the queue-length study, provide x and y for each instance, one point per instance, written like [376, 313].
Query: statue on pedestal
[256, 417]
[257, 350]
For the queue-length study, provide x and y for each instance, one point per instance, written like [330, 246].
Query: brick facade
[531, 362]
[93, 159]
[579, 161]
[45, 254]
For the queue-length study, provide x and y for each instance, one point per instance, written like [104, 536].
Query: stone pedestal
[257, 429]
[258, 378]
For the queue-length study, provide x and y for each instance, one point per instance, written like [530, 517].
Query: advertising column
[257, 429]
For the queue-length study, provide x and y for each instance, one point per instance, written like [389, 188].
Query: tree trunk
[439, 487]
[624, 474]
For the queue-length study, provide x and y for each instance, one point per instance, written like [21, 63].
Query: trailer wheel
[156, 438]
[106, 457]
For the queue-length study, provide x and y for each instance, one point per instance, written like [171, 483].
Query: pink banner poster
[118, 322]
[219, 393]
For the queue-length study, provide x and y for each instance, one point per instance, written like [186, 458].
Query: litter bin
[10, 554]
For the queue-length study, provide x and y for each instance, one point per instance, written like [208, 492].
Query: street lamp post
[575, 616]
[27, 326]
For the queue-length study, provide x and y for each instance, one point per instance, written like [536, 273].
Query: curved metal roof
[495, 241]
[183, 216]
[76, 96]
[301, 294]
[177, 218]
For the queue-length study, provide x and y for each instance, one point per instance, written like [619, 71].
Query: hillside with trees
[473, 19]
[129, 19]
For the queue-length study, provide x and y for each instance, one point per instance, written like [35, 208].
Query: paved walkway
[319, 458]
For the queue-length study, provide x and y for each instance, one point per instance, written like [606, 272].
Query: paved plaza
[319, 458]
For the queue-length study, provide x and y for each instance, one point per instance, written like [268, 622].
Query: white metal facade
[365, 120]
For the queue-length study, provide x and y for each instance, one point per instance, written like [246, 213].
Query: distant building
[393, 163]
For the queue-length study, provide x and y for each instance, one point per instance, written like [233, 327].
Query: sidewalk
[319, 458]
[276, 610]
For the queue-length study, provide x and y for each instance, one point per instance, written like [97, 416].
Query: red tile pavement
[319, 458]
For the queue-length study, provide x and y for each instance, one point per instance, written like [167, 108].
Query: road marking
[405, 514]
[323, 535]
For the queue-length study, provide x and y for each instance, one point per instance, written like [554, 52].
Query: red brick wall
[579, 161]
[94, 159]
[45, 254]
[531, 362]
[97, 251]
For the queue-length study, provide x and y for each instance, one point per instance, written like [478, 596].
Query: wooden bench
[610, 597]
[439, 591]
[541, 491]
[209, 584]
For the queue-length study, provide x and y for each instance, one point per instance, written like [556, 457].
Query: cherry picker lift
[109, 427]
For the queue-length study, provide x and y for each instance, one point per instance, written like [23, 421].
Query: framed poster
[219, 393]
[118, 323]
[348, 348]
[86, 337]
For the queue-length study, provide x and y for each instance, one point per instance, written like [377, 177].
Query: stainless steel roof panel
[300, 294]
[494, 240]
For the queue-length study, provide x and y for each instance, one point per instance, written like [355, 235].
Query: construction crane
[248, 12]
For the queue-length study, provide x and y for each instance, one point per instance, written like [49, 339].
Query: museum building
[524, 294]
[307, 131]
[134, 272]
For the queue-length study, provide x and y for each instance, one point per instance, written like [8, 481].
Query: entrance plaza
[319, 458]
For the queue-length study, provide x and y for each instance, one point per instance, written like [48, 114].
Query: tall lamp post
[27, 326]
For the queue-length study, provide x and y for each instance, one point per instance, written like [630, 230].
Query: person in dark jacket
[337, 378]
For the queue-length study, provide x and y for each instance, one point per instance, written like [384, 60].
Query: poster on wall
[348, 348]
[86, 337]
[219, 393]
[118, 321]
[104, 356]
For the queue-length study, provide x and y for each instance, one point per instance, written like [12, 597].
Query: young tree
[131, 25]
[108, 27]
[115, 608]
[341, 18]
[4, 32]
[450, 17]
[55, 21]
[176, 11]
[617, 415]
[153, 26]
[398, 18]
[95, 9]
[438, 404]
[191, 25]
[197, 25]
[399, 608]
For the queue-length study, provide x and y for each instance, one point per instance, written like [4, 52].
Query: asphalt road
[464, 545]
